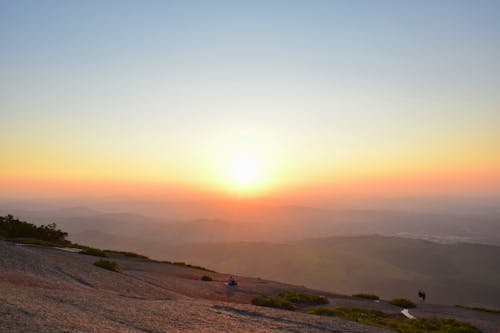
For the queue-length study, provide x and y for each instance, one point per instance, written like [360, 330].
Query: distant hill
[269, 223]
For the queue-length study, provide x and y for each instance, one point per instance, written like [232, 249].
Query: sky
[249, 98]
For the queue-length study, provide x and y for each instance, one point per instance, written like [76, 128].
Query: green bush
[108, 264]
[396, 322]
[367, 296]
[478, 308]
[90, 251]
[206, 278]
[36, 241]
[302, 297]
[403, 302]
[273, 302]
[13, 228]
[183, 264]
[128, 254]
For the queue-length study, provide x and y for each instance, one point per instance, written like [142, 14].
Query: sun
[245, 172]
[243, 169]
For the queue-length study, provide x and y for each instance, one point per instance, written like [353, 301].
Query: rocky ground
[49, 290]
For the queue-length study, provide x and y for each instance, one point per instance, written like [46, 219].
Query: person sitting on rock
[231, 281]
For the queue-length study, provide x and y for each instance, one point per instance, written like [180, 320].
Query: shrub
[36, 241]
[367, 296]
[396, 322]
[302, 297]
[11, 228]
[108, 264]
[273, 302]
[93, 252]
[403, 302]
[478, 308]
[128, 254]
[206, 278]
[183, 264]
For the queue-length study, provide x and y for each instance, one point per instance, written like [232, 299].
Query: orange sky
[458, 182]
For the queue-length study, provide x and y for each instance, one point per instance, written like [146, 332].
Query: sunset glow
[246, 171]
[250, 107]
